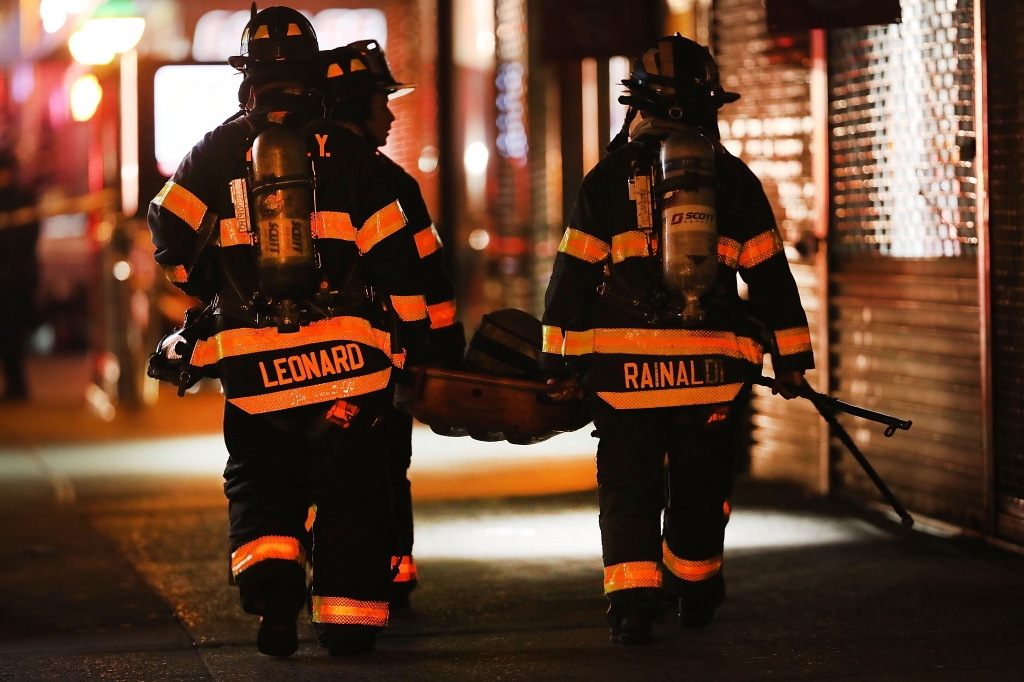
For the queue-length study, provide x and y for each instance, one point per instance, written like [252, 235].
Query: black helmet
[676, 76]
[276, 35]
[358, 69]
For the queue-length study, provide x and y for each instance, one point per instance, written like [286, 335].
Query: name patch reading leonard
[262, 370]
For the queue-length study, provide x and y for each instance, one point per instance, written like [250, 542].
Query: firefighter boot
[631, 613]
[697, 605]
[278, 635]
[347, 640]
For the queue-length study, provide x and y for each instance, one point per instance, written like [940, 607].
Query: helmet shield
[358, 69]
[675, 76]
[276, 35]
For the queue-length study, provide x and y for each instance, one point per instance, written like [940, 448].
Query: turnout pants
[274, 473]
[684, 556]
[394, 437]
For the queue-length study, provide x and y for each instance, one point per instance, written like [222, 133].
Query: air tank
[689, 233]
[282, 205]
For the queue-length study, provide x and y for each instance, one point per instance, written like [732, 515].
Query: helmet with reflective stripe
[276, 35]
[358, 69]
[676, 76]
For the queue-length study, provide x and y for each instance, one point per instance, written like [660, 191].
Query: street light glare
[86, 95]
[101, 39]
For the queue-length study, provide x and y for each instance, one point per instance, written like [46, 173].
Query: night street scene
[512, 340]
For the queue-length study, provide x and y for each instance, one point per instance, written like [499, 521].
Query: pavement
[113, 566]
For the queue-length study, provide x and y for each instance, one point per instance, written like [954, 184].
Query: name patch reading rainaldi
[672, 374]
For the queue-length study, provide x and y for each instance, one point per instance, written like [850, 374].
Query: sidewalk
[125, 580]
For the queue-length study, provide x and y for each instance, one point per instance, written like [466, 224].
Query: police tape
[85, 203]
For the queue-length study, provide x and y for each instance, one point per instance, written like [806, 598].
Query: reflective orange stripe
[410, 308]
[182, 203]
[406, 569]
[727, 510]
[793, 341]
[583, 246]
[267, 547]
[670, 397]
[246, 340]
[310, 517]
[333, 225]
[759, 249]
[631, 575]
[230, 236]
[729, 252]
[663, 342]
[175, 273]
[552, 340]
[441, 314]
[427, 241]
[629, 245]
[380, 226]
[342, 611]
[311, 395]
[690, 571]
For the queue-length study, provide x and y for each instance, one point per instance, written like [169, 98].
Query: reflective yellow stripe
[670, 397]
[311, 395]
[267, 547]
[690, 571]
[333, 225]
[380, 226]
[175, 273]
[793, 341]
[663, 342]
[631, 575]
[552, 340]
[759, 249]
[244, 341]
[729, 252]
[410, 308]
[406, 569]
[181, 203]
[427, 241]
[629, 245]
[583, 246]
[230, 236]
[441, 314]
[342, 611]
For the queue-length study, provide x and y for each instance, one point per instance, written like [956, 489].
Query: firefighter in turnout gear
[643, 309]
[359, 86]
[300, 286]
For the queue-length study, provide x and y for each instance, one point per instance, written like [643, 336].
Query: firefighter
[298, 328]
[359, 86]
[643, 308]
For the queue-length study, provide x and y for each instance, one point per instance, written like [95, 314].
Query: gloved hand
[169, 364]
[789, 384]
[564, 391]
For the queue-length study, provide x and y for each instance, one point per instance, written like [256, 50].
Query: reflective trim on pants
[344, 611]
[406, 569]
[691, 571]
[631, 575]
[267, 547]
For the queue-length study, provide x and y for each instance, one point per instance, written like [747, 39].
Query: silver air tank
[689, 234]
[282, 205]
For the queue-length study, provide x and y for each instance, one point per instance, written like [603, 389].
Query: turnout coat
[601, 303]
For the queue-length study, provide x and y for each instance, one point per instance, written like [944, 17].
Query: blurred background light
[100, 39]
[86, 95]
[479, 239]
[476, 158]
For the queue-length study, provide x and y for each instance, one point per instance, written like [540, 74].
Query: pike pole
[827, 408]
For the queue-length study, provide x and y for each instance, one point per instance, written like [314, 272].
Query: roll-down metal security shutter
[1005, 33]
[904, 288]
[770, 129]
